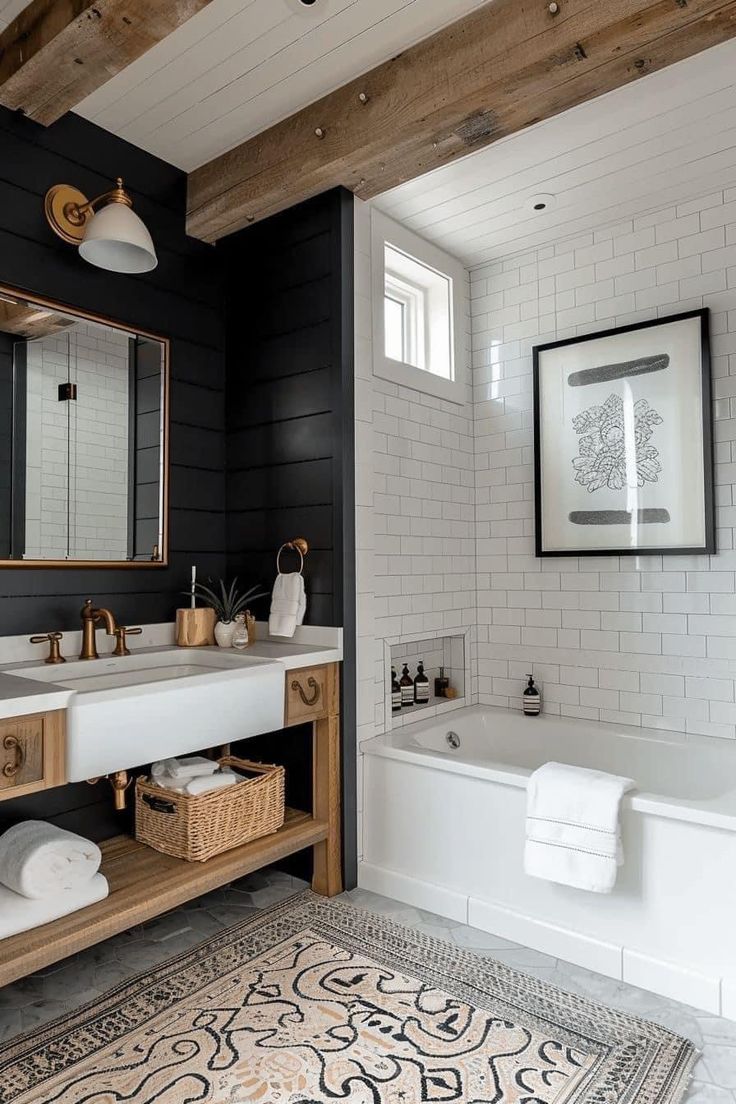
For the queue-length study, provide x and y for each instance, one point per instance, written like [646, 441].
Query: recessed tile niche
[449, 653]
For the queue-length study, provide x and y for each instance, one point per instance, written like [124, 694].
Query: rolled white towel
[182, 769]
[213, 782]
[39, 860]
[19, 914]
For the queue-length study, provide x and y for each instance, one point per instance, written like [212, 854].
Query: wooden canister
[195, 627]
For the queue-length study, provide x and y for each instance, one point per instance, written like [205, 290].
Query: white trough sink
[130, 710]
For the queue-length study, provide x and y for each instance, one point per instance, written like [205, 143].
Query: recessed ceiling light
[542, 202]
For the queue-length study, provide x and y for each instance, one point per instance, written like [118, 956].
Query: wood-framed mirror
[84, 438]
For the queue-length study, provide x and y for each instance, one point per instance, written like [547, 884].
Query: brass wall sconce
[107, 230]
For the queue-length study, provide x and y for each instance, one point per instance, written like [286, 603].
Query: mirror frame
[90, 316]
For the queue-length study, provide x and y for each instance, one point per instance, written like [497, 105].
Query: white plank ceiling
[239, 66]
[8, 11]
[668, 137]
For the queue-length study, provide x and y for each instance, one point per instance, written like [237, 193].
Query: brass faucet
[90, 617]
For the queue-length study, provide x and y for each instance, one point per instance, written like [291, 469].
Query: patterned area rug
[317, 1001]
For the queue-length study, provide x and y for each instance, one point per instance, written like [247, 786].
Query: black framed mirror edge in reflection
[160, 553]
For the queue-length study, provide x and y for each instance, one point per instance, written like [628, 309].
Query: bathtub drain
[453, 739]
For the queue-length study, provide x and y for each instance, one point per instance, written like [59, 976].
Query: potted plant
[227, 604]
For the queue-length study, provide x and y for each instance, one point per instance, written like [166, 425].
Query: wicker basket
[197, 827]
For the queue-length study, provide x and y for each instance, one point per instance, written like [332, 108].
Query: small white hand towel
[288, 604]
[573, 832]
[19, 914]
[39, 860]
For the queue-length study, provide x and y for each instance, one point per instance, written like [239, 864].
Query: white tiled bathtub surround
[649, 640]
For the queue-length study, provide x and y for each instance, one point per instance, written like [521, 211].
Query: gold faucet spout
[90, 617]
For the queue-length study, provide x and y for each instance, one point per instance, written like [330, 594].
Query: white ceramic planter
[224, 631]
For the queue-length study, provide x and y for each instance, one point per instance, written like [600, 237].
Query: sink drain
[453, 739]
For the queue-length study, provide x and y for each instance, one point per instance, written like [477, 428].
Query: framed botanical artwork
[623, 449]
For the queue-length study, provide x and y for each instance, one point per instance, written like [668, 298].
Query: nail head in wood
[319, 132]
[363, 97]
[554, 9]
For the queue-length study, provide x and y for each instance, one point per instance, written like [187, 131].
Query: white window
[419, 296]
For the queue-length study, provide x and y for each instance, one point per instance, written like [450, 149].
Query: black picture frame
[709, 545]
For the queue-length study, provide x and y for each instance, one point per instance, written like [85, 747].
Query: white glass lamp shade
[117, 239]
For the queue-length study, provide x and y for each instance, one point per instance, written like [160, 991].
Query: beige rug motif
[316, 1001]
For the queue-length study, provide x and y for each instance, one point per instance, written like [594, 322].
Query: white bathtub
[443, 829]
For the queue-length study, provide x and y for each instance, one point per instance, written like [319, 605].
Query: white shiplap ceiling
[665, 138]
[8, 11]
[239, 66]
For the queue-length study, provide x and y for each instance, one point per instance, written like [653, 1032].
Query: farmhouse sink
[130, 710]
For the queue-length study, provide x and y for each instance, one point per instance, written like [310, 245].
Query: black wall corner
[290, 421]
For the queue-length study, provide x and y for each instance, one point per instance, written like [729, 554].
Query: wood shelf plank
[143, 884]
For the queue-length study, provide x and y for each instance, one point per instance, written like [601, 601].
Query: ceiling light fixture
[113, 237]
[542, 202]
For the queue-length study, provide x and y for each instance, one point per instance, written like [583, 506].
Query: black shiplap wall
[290, 420]
[181, 299]
[287, 394]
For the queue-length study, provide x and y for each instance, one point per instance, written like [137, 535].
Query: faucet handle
[121, 632]
[53, 639]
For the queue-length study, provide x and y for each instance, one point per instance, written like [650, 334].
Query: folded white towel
[213, 782]
[182, 769]
[39, 860]
[288, 604]
[19, 914]
[572, 826]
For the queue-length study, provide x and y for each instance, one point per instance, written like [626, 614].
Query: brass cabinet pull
[12, 743]
[313, 686]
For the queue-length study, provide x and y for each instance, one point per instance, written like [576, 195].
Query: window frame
[387, 232]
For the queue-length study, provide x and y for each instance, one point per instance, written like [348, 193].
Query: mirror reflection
[82, 438]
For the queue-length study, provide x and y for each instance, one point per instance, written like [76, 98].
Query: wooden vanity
[143, 882]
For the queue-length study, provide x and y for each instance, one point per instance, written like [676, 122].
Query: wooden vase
[195, 627]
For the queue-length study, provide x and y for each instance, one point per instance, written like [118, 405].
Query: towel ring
[299, 545]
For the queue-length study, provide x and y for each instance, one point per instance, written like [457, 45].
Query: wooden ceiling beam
[510, 64]
[57, 52]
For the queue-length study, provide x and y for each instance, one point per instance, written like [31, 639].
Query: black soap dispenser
[531, 699]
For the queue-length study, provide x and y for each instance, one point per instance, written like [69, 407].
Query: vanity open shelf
[143, 884]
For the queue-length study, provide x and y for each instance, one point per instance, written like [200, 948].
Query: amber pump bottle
[407, 687]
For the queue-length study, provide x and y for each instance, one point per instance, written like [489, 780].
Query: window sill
[406, 375]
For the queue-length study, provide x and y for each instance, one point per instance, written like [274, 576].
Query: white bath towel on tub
[39, 860]
[573, 833]
[19, 914]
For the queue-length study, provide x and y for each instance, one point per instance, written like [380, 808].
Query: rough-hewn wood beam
[503, 68]
[58, 51]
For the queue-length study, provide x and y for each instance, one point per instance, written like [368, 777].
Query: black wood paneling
[181, 300]
[290, 421]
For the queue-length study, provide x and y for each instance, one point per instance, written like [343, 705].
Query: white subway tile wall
[415, 509]
[640, 641]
